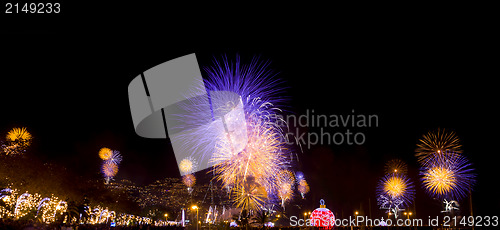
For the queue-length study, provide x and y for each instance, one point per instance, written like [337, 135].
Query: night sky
[68, 86]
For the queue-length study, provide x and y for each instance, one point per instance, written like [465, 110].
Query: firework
[252, 145]
[437, 142]
[261, 159]
[18, 139]
[396, 187]
[303, 187]
[299, 175]
[249, 195]
[395, 166]
[254, 80]
[18, 134]
[285, 184]
[189, 180]
[116, 157]
[447, 176]
[109, 169]
[105, 153]
[188, 165]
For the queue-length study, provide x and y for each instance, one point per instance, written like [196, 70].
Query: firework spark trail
[447, 176]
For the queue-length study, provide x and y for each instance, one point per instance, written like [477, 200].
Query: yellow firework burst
[187, 165]
[438, 141]
[249, 195]
[395, 186]
[18, 134]
[105, 153]
[439, 180]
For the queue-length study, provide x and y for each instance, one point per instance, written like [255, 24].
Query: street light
[356, 213]
[197, 221]
[166, 217]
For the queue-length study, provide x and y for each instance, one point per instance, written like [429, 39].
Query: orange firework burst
[395, 186]
[261, 159]
[18, 134]
[437, 142]
[105, 153]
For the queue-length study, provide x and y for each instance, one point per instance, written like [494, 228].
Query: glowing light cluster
[17, 205]
[51, 209]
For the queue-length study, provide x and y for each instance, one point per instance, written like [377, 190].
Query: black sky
[68, 86]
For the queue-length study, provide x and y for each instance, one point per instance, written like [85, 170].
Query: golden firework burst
[18, 134]
[249, 195]
[105, 153]
[439, 180]
[437, 142]
[261, 158]
[395, 186]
